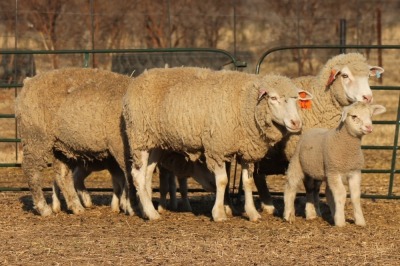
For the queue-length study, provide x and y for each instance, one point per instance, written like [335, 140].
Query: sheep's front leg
[56, 203]
[294, 176]
[263, 192]
[248, 182]
[139, 178]
[339, 198]
[355, 194]
[221, 180]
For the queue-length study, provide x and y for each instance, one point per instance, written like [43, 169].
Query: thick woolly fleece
[326, 108]
[195, 110]
[72, 115]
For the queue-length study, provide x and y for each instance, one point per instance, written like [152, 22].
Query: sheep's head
[348, 78]
[282, 97]
[358, 117]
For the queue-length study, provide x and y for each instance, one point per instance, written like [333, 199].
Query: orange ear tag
[304, 104]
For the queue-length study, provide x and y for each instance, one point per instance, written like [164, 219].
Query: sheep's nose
[367, 98]
[368, 128]
[296, 124]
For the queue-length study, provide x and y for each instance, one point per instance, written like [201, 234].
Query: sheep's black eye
[274, 98]
[355, 118]
[345, 76]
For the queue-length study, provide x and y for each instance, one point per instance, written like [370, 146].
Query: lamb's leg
[65, 181]
[329, 199]
[263, 192]
[164, 188]
[339, 197]
[183, 190]
[56, 204]
[294, 176]
[139, 178]
[80, 174]
[249, 206]
[221, 180]
[173, 202]
[311, 204]
[355, 194]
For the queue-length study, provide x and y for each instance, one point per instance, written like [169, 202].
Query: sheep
[333, 156]
[80, 172]
[71, 117]
[217, 114]
[342, 80]
[177, 165]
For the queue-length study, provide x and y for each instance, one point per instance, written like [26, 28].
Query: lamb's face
[284, 110]
[354, 85]
[358, 118]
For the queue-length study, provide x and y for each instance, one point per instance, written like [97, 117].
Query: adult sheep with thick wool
[341, 81]
[331, 155]
[71, 117]
[215, 113]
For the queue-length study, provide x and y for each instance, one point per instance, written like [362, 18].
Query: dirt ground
[100, 237]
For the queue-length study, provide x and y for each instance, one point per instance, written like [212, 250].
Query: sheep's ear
[344, 113]
[332, 76]
[378, 109]
[261, 93]
[304, 95]
[375, 71]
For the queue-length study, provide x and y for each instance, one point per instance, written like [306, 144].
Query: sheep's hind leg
[221, 180]
[56, 204]
[139, 178]
[79, 175]
[355, 194]
[34, 182]
[249, 206]
[164, 177]
[183, 190]
[64, 180]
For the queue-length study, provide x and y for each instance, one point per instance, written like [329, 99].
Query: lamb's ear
[344, 113]
[375, 71]
[378, 109]
[332, 76]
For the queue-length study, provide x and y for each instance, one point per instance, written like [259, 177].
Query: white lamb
[216, 113]
[331, 155]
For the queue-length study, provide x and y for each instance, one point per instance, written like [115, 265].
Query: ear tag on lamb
[378, 74]
[332, 77]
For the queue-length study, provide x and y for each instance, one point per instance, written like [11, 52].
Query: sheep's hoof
[219, 215]
[360, 223]
[268, 208]
[289, 217]
[56, 207]
[161, 208]
[45, 211]
[78, 209]
[254, 217]
[184, 206]
[153, 216]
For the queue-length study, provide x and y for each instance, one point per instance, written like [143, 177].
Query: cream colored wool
[71, 115]
[196, 110]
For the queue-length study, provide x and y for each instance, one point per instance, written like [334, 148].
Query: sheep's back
[186, 109]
